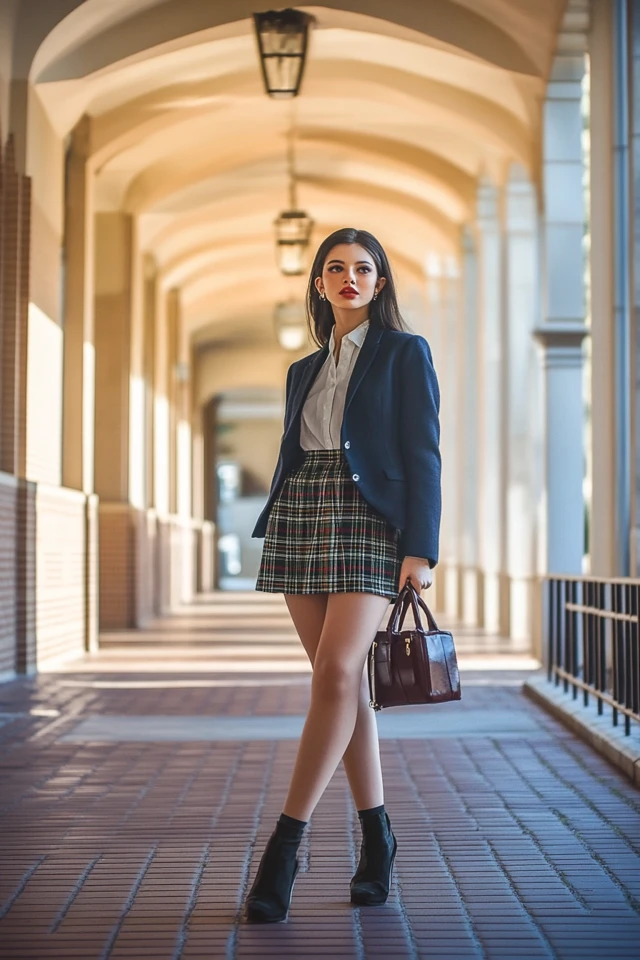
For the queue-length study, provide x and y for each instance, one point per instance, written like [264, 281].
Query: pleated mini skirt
[323, 537]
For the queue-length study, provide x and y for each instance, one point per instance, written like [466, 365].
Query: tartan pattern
[323, 537]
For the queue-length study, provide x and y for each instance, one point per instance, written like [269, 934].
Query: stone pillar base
[522, 596]
[469, 606]
[117, 572]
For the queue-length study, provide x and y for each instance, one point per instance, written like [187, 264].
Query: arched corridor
[151, 303]
[156, 166]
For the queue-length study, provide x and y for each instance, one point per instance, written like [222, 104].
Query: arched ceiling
[404, 106]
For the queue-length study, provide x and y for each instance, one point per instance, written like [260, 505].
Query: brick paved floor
[515, 840]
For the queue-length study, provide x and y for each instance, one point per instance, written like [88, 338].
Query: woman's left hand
[418, 571]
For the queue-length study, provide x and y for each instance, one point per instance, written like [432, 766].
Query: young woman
[353, 512]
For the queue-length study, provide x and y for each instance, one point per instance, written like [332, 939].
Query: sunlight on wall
[89, 412]
[161, 454]
[136, 441]
[184, 469]
[44, 398]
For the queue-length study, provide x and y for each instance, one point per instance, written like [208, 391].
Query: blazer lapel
[367, 352]
[307, 378]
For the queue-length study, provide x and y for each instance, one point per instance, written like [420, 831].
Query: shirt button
[347, 444]
[356, 476]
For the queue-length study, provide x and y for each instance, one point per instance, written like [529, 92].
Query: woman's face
[349, 277]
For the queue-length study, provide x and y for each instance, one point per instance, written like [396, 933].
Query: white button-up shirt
[324, 407]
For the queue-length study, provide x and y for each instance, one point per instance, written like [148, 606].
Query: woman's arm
[419, 442]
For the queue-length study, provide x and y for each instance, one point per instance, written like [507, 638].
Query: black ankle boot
[371, 882]
[269, 898]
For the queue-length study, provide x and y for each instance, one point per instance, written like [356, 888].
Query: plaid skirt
[323, 537]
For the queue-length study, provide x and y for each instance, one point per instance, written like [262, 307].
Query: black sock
[290, 828]
[372, 812]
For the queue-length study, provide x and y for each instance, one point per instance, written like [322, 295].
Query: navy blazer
[390, 434]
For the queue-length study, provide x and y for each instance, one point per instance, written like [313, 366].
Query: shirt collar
[356, 335]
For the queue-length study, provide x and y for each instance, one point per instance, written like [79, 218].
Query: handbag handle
[409, 596]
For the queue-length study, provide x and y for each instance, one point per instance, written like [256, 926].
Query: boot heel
[371, 882]
[269, 899]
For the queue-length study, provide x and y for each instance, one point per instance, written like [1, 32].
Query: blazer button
[356, 476]
[347, 444]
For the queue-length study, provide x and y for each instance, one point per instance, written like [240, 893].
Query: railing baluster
[634, 667]
[593, 642]
[586, 640]
[601, 676]
[626, 660]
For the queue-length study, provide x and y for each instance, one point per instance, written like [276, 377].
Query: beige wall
[232, 367]
[254, 444]
[45, 166]
[44, 398]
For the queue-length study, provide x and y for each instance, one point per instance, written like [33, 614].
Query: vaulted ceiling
[403, 106]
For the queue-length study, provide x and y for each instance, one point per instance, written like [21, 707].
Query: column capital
[561, 335]
[562, 345]
[574, 31]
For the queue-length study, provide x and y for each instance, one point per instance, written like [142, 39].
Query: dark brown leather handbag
[412, 666]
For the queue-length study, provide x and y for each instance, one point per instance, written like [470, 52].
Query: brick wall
[177, 561]
[52, 543]
[8, 513]
[116, 565]
[149, 565]
[42, 575]
[60, 573]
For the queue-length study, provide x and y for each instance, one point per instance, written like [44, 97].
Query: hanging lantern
[282, 41]
[290, 323]
[293, 232]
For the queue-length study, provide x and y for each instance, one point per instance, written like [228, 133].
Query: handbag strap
[409, 596]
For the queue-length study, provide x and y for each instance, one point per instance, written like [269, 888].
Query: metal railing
[593, 641]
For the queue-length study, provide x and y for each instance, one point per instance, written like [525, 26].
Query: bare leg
[362, 757]
[350, 624]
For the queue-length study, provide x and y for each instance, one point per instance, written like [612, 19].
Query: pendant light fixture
[282, 37]
[293, 226]
[290, 323]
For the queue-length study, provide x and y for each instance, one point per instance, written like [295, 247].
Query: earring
[375, 296]
[322, 296]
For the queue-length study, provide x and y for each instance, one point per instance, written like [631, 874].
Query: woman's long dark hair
[384, 310]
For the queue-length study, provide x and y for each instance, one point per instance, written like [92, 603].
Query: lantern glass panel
[291, 258]
[290, 324]
[279, 39]
[283, 76]
[282, 41]
[293, 230]
[293, 226]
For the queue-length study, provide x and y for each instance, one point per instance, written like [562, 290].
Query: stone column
[125, 559]
[521, 408]
[451, 427]
[468, 433]
[433, 330]
[633, 278]
[15, 243]
[563, 328]
[78, 413]
[79, 352]
[161, 458]
[491, 484]
[149, 374]
[173, 333]
[603, 440]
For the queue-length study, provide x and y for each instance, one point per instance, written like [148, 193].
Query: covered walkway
[140, 783]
